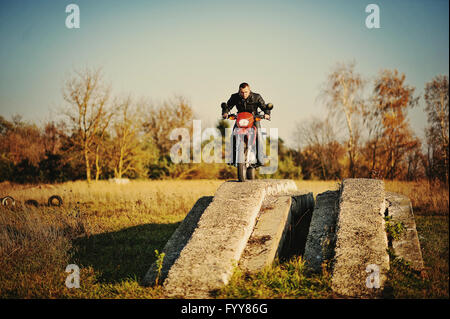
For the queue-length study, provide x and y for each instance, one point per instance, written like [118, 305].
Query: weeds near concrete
[394, 229]
[289, 279]
[159, 264]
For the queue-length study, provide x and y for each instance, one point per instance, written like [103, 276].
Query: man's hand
[225, 116]
[267, 116]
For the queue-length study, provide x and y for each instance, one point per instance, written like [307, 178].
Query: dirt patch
[260, 240]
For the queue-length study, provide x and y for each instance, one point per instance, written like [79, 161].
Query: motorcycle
[245, 152]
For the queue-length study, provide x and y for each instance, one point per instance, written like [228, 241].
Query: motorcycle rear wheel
[251, 173]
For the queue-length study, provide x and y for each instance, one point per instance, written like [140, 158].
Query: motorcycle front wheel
[241, 168]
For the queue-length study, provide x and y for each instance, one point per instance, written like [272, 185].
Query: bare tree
[87, 99]
[99, 140]
[373, 123]
[132, 148]
[436, 99]
[342, 95]
[174, 113]
[317, 138]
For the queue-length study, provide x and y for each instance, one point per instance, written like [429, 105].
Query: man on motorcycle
[246, 101]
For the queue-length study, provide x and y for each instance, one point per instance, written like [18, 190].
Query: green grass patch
[290, 279]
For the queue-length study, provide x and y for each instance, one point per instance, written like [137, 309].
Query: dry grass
[426, 198]
[111, 231]
[34, 247]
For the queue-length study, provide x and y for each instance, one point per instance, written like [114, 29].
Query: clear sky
[204, 49]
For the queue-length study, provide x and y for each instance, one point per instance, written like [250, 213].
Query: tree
[131, 149]
[53, 136]
[392, 99]
[87, 98]
[100, 140]
[21, 141]
[174, 113]
[342, 95]
[5, 125]
[436, 99]
[321, 151]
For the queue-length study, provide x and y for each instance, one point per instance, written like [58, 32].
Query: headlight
[243, 122]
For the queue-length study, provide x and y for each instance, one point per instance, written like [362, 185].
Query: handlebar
[259, 116]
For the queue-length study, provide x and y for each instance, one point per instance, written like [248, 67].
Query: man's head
[244, 90]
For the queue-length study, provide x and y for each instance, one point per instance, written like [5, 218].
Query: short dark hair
[243, 85]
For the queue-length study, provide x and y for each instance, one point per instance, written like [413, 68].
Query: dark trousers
[259, 152]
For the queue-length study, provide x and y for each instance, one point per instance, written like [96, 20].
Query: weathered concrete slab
[361, 244]
[268, 234]
[207, 260]
[274, 222]
[322, 230]
[177, 242]
[408, 245]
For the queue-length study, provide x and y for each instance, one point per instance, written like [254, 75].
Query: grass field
[112, 231]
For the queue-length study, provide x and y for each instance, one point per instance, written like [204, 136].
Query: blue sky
[204, 49]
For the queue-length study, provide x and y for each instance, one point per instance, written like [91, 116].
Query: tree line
[366, 133]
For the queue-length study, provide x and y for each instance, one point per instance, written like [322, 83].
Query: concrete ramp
[408, 245]
[218, 236]
[177, 242]
[361, 261]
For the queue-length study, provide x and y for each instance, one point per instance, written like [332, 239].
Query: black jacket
[250, 104]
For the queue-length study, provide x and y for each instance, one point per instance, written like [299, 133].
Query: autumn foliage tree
[29, 153]
[391, 100]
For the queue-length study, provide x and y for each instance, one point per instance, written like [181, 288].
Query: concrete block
[408, 245]
[177, 241]
[322, 230]
[207, 260]
[268, 234]
[361, 260]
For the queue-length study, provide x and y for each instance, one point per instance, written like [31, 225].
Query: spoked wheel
[241, 171]
[251, 173]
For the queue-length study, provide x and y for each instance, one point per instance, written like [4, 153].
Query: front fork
[245, 146]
